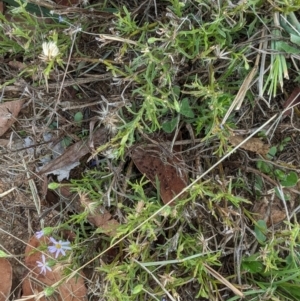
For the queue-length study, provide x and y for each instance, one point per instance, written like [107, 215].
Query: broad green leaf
[78, 117]
[170, 126]
[66, 141]
[272, 152]
[281, 175]
[290, 180]
[176, 90]
[185, 108]
[258, 185]
[260, 229]
[253, 266]
[264, 167]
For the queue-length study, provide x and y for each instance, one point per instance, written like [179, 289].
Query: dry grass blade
[155, 279]
[104, 37]
[81, 81]
[223, 280]
[239, 98]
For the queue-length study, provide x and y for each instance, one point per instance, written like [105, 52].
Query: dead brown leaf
[8, 114]
[16, 65]
[272, 212]
[75, 152]
[170, 171]
[4, 142]
[253, 144]
[34, 282]
[101, 218]
[105, 222]
[6, 279]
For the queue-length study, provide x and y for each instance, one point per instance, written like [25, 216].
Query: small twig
[82, 106]
[80, 81]
[104, 37]
[34, 192]
[250, 169]
[223, 280]
[3, 194]
[2, 94]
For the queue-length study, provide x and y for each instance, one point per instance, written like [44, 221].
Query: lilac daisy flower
[59, 247]
[43, 265]
[39, 234]
[46, 231]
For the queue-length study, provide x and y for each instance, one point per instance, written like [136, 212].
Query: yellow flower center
[58, 246]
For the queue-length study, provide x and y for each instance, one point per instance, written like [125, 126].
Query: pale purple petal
[65, 245]
[52, 249]
[43, 265]
[60, 251]
[53, 240]
[39, 234]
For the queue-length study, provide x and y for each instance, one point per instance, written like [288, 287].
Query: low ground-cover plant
[164, 76]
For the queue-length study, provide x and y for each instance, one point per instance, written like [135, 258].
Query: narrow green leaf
[49, 291]
[153, 40]
[281, 195]
[137, 289]
[295, 39]
[282, 46]
[53, 186]
[272, 152]
[3, 254]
